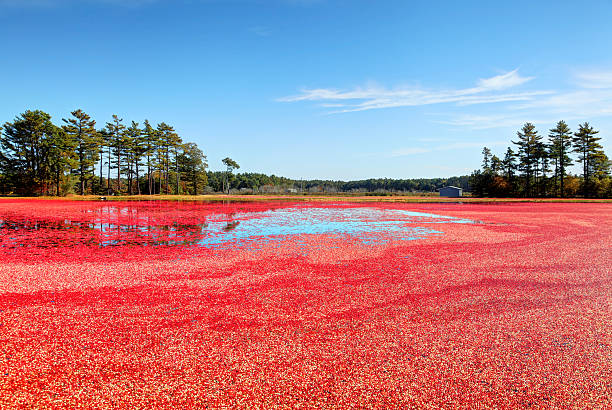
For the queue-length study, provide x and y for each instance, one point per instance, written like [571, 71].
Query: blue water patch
[365, 223]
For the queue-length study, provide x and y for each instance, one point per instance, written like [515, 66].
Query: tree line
[41, 158]
[257, 182]
[540, 168]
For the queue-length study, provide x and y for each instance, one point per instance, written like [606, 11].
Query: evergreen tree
[231, 166]
[168, 139]
[509, 164]
[104, 146]
[589, 151]
[497, 165]
[150, 141]
[528, 147]
[117, 130]
[27, 144]
[133, 152]
[541, 168]
[62, 159]
[560, 146]
[486, 159]
[81, 129]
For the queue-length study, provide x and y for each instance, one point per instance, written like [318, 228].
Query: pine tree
[528, 146]
[81, 129]
[117, 130]
[104, 144]
[27, 146]
[588, 148]
[509, 163]
[541, 167]
[139, 148]
[168, 139]
[560, 139]
[150, 140]
[132, 153]
[496, 165]
[486, 160]
[231, 166]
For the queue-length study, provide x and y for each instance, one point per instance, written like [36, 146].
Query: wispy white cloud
[595, 79]
[585, 96]
[503, 81]
[486, 91]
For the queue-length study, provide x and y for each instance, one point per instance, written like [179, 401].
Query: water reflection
[135, 225]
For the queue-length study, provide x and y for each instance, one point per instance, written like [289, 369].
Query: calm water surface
[133, 225]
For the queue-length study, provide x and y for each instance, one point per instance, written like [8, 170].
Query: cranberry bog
[300, 304]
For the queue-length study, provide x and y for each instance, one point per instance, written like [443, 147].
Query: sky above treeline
[317, 88]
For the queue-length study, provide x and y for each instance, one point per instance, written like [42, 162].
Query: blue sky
[317, 88]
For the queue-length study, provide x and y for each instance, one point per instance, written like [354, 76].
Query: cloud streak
[590, 97]
[486, 91]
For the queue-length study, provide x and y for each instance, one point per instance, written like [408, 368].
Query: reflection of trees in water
[104, 232]
[114, 225]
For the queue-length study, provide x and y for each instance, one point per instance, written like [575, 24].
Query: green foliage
[231, 166]
[529, 153]
[27, 145]
[82, 134]
[262, 183]
[591, 155]
[192, 164]
[37, 157]
[560, 139]
[499, 177]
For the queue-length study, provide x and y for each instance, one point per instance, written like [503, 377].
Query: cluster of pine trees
[540, 168]
[39, 157]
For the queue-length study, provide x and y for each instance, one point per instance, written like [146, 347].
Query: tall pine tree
[528, 147]
[560, 146]
[117, 130]
[81, 129]
[586, 144]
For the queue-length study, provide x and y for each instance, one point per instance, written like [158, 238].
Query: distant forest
[539, 168]
[38, 157]
[261, 183]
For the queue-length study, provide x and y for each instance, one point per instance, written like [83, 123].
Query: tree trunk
[101, 164]
[108, 179]
[177, 172]
[149, 173]
[130, 177]
[137, 177]
[118, 172]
